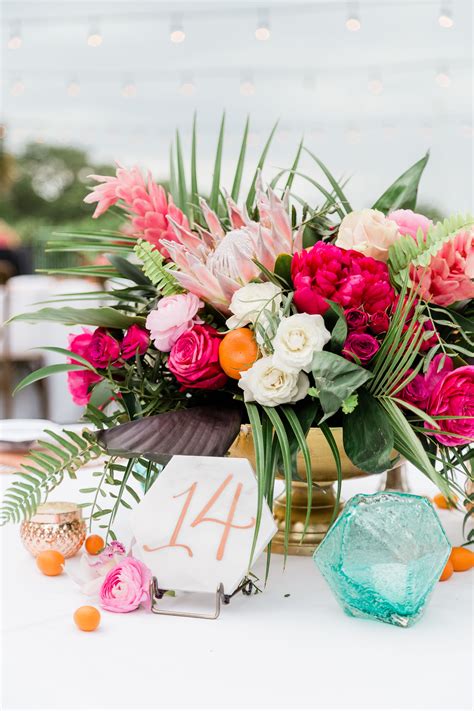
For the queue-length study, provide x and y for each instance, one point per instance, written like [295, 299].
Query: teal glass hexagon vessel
[383, 556]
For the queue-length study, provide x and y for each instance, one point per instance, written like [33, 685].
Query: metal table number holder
[157, 593]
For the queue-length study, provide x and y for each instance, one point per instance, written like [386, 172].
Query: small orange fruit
[447, 572]
[462, 559]
[50, 562]
[238, 351]
[87, 618]
[94, 544]
[442, 502]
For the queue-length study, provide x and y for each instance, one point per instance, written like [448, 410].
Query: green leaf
[260, 164]
[337, 459]
[216, 177]
[68, 354]
[194, 180]
[129, 271]
[153, 265]
[334, 184]
[183, 195]
[45, 372]
[240, 164]
[282, 268]
[368, 437]
[336, 378]
[173, 182]
[291, 176]
[104, 316]
[402, 194]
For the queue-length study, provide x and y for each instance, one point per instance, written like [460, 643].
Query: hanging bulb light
[73, 88]
[177, 33]
[94, 37]
[15, 40]
[353, 23]
[129, 89]
[247, 86]
[17, 88]
[445, 19]
[375, 84]
[187, 86]
[443, 79]
[262, 31]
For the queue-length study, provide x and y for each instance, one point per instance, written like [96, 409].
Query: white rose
[297, 339]
[251, 301]
[267, 384]
[369, 232]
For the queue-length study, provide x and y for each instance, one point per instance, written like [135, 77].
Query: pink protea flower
[214, 264]
[448, 278]
[145, 202]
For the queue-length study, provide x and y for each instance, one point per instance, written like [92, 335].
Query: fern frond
[418, 252]
[44, 470]
[154, 268]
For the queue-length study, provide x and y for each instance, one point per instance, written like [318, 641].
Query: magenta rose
[194, 359]
[136, 340]
[454, 396]
[103, 349]
[341, 275]
[410, 222]
[126, 586]
[362, 345]
[416, 392]
[80, 382]
[379, 322]
[356, 319]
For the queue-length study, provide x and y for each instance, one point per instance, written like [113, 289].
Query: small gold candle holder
[56, 525]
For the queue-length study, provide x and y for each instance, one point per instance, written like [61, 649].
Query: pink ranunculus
[362, 345]
[449, 276]
[410, 222]
[150, 211]
[194, 359]
[173, 316]
[356, 319]
[416, 391]
[126, 586]
[136, 340]
[103, 349]
[80, 382]
[94, 568]
[453, 396]
[341, 275]
[379, 322]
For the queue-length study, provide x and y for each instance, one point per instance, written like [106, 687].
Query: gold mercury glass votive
[56, 525]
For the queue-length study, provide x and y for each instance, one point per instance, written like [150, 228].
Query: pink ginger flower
[214, 264]
[145, 202]
[448, 278]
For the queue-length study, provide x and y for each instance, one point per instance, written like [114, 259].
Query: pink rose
[173, 316]
[126, 586]
[448, 278]
[369, 232]
[194, 359]
[341, 275]
[362, 345]
[103, 349]
[136, 340]
[356, 319]
[379, 322]
[410, 222]
[80, 382]
[454, 396]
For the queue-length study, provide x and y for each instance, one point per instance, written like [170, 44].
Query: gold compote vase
[323, 499]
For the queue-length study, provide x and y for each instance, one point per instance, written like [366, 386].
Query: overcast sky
[369, 102]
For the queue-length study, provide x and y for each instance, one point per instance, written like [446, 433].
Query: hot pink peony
[448, 278]
[362, 345]
[173, 316]
[194, 359]
[103, 349]
[136, 340]
[80, 382]
[454, 396]
[410, 222]
[146, 203]
[126, 586]
[341, 275]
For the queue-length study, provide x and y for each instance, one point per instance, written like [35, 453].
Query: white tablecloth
[291, 647]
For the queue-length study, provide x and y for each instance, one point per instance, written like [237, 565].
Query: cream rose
[369, 232]
[297, 339]
[250, 303]
[269, 385]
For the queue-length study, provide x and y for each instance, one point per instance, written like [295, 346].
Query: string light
[15, 40]
[375, 84]
[17, 88]
[73, 88]
[94, 38]
[187, 86]
[262, 31]
[129, 90]
[353, 23]
[443, 79]
[445, 19]
[177, 33]
[247, 87]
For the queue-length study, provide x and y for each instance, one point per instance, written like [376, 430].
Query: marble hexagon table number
[195, 527]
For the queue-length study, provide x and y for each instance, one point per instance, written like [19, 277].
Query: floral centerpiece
[273, 311]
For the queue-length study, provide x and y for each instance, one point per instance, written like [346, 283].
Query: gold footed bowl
[324, 474]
